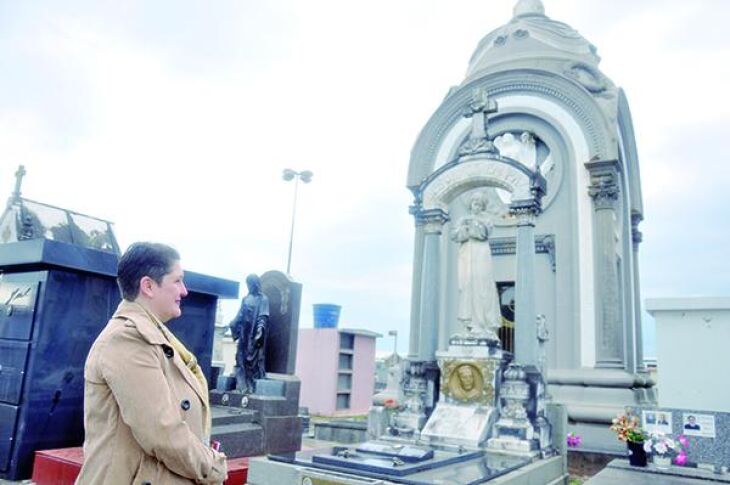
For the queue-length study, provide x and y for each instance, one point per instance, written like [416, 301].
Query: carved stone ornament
[525, 211]
[474, 146]
[604, 188]
[485, 172]
[477, 109]
[433, 220]
[283, 288]
[587, 76]
[636, 235]
[465, 381]
[604, 191]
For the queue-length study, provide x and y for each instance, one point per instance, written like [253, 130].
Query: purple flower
[681, 459]
[573, 440]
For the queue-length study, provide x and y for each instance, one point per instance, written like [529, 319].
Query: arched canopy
[489, 170]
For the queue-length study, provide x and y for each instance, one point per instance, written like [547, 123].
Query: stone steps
[240, 439]
[222, 415]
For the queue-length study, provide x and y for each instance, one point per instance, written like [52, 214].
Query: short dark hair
[144, 259]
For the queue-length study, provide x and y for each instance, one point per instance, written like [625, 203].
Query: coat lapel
[189, 377]
[133, 313]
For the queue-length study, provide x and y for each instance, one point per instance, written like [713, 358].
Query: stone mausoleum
[555, 112]
[525, 305]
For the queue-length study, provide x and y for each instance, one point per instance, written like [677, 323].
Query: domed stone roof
[528, 36]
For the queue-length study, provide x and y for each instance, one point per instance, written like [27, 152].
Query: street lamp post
[306, 177]
[394, 333]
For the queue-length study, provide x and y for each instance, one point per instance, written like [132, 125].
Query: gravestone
[709, 438]
[284, 296]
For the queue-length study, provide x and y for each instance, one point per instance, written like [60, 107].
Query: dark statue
[249, 328]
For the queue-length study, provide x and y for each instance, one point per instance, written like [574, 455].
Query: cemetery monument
[529, 169]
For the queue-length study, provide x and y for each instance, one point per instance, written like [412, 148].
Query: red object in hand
[216, 445]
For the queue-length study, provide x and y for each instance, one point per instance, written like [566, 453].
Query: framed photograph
[698, 425]
[657, 421]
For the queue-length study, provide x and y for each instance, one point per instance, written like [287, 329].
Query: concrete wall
[363, 375]
[693, 338]
[316, 367]
[228, 351]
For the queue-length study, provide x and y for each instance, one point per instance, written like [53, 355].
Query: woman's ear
[146, 286]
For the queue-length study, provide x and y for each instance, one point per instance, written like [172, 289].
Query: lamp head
[306, 176]
[288, 174]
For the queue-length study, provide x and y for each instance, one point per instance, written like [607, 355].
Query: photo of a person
[662, 419]
[650, 418]
[691, 423]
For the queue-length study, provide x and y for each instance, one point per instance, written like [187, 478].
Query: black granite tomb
[284, 296]
[55, 298]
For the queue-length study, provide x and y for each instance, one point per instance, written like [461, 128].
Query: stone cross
[478, 108]
[18, 180]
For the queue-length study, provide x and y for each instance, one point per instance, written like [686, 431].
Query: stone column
[433, 221]
[416, 290]
[526, 351]
[636, 238]
[604, 190]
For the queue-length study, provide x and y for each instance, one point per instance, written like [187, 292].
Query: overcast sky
[175, 118]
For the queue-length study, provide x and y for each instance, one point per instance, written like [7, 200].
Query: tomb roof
[528, 36]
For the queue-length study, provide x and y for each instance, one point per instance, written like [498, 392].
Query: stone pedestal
[470, 376]
[260, 423]
[402, 412]
[514, 431]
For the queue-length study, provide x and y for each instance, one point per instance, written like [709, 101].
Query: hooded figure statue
[249, 328]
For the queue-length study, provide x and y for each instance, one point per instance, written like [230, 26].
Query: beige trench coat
[143, 410]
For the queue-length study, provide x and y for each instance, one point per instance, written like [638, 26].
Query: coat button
[185, 404]
[167, 350]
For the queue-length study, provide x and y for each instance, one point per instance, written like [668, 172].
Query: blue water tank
[326, 315]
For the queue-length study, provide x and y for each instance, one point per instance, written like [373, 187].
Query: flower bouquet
[663, 449]
[627, 428]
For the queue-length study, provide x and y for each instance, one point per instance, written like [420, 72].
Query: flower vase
[663, 462]
[637, 454]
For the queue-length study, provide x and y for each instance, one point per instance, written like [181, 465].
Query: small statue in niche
[478, 307]
[249, 328]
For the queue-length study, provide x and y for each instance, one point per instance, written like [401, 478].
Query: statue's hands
[258, 339]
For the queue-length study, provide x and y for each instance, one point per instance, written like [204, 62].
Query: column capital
[604, 188]
[525, 210]
[431, 219]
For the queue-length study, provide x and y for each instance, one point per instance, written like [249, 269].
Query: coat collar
[134, 313]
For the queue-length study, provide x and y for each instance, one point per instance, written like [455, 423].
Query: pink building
[337, 370]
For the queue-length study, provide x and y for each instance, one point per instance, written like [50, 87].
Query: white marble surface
[459, 424]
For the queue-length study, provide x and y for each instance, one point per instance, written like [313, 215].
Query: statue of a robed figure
[249, 328]
[478, 307]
